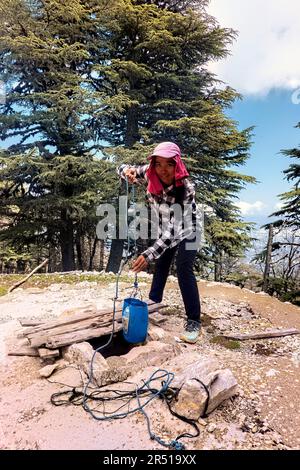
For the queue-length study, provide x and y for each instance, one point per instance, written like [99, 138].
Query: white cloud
[248, 208]
[265, 54]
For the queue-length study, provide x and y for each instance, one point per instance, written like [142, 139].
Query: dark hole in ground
[117, 347]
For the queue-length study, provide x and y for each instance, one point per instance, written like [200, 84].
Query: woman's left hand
[139, 264]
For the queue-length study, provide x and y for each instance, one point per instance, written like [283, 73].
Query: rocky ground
[264, 414]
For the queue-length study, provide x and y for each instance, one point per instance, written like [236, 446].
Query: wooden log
[266, 334]
[89, 315]
[84, 314]
[41, 338]
[30, 323]
[79, 336]
[48, 353]
[22, 351]
[27, 277]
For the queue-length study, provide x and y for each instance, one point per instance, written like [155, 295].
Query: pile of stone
[201, 383]
[64, 343]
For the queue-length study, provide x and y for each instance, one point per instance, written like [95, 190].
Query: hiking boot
[191, 332]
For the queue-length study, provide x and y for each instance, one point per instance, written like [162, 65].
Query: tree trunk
[132, 127]
[79, 250]
[67, 242]
[101, 258]
[115, 256]
[54, 258]
[93, 254]
[268, 258]
[218, 267]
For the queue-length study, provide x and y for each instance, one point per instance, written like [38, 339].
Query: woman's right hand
[130, 173]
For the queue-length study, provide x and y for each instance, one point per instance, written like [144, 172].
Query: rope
[147, 391]
[165, 393]
[123, 262]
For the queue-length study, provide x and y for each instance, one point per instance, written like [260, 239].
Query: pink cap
[166, 150]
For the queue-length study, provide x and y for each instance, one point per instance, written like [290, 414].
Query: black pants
[186, 278]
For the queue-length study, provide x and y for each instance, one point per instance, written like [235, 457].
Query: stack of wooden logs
[74, 326]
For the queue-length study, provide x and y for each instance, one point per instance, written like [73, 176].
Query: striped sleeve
[140, 171]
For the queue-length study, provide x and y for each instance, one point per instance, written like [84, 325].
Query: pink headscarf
[165, 150]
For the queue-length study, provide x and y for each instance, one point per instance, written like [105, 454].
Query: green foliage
[46, 49]
[37, 190]
[8, 254]
[286, 249]
[125, 74]
[229, 236]
[53, 177]
[226, 343]
[286, 290]
[3, 291]
[243, 280]
[46, 280]
[293, 297]
[159, 89]
[290, 212]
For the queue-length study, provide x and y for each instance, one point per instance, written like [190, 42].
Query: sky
[264, 67]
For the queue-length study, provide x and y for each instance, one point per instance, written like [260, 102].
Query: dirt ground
[264, 415]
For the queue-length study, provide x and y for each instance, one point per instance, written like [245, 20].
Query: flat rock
[70, 376]
[48, 370]
[153, 353]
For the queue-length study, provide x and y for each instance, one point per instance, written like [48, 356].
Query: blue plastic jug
[135, 320]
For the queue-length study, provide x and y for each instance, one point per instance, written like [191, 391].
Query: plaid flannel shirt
[171, 229]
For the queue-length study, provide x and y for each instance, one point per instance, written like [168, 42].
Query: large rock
[121, 367]
[224, 387]
[112, 375]
[192, 396]
[200, 369]
[81, 354]
[154, 353]
[70, 376]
